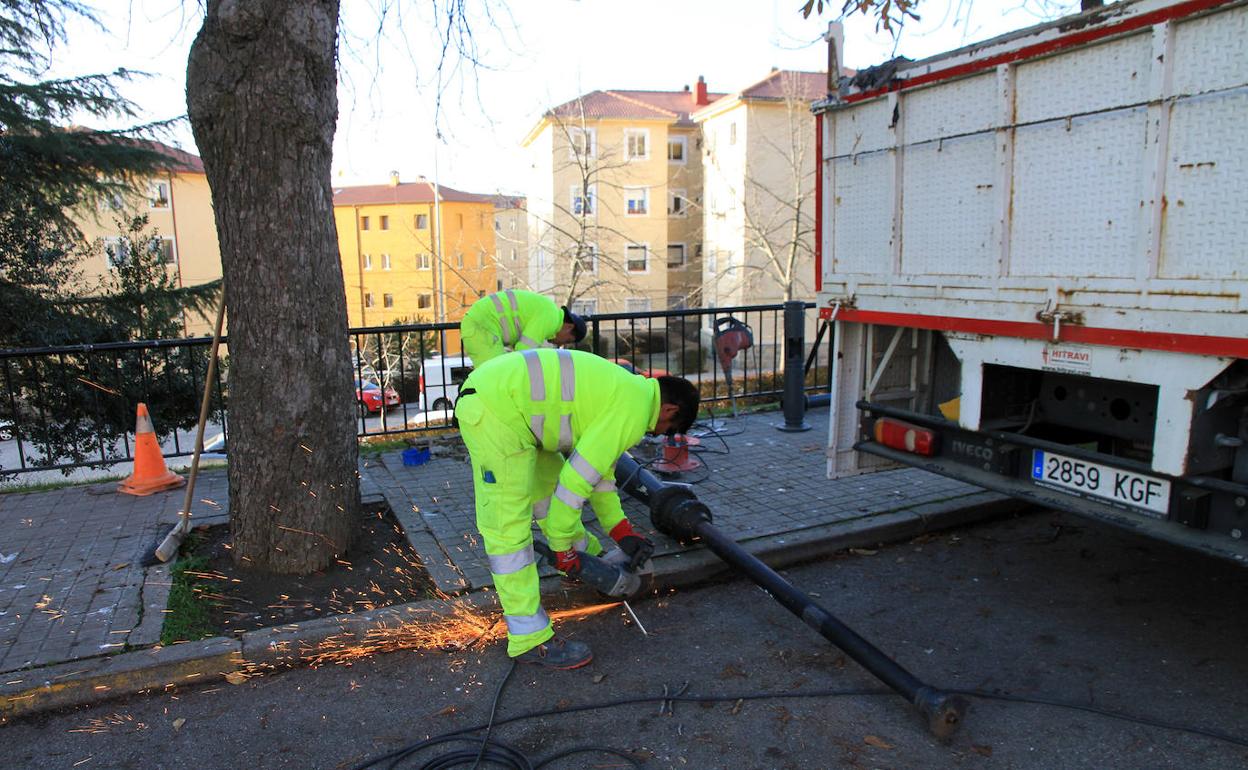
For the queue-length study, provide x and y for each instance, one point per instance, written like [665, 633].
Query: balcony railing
[71, 407]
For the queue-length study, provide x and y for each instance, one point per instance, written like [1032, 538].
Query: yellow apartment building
[614, 201]
[758, 215]
[405, 259]
[178, 205]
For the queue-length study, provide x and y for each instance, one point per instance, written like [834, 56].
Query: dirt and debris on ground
[380, 570]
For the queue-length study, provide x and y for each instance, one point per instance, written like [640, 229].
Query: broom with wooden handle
[168, 547]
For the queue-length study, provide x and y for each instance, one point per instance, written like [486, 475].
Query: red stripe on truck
[1049, 46]
[1236, 347]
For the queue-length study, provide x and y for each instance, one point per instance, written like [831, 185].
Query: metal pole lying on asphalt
[677, 512]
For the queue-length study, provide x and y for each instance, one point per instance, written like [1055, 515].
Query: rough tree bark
[263, 106]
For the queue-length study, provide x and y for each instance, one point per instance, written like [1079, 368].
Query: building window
[158, 195]
[513, 255]
[384, 222]
[164, 248]
[385, 261]
[584, 307]
[387, 300]
[498, 225]
[637, 201]
[422, 221]
[513, 225]
[499, 284]
[584, 202]
[677, 203]
[675, 255]
[636, 144]
[697, 250]
[424, 261]
[481, 260]
[677, 147]
[117, 250]
[677, 302]
[368, 299]
[363, 223]
[582, 143]
[424, 301]
[637, 305]
[636, 257]
[732, 132]
[459, 259]
[459, 219]
[368, 261]
[587, 259]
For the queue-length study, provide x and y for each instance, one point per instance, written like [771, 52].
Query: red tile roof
[674, 106]
[179, 160]
[779, 84]
[404, 192]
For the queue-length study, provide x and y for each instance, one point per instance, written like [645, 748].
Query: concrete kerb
[99, 679]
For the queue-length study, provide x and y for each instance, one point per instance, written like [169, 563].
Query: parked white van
[442, 376]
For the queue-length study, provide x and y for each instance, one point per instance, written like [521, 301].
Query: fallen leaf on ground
[736, 707]
[599, 677]
[877, 741]
[177, 723]
[863, 551]
[236, 677]
[982, 750]
[446, 712]
[123, 565]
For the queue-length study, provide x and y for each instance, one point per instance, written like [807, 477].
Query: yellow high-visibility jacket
[523, 319]
[580, 404]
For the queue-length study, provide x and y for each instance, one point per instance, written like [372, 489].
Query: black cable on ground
[404, 752]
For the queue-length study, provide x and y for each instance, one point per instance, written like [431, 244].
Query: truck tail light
[897, 434]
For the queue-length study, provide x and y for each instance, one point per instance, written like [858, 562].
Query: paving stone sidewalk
[768, 483]
[72, 580]
[72, 583]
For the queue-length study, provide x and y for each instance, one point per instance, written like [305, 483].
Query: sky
[532, 54]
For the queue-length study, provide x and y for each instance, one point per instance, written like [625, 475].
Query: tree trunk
[261, 95]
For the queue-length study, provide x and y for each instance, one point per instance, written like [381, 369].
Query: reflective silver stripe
[541, 508]
[583, 467]
[502, 317]
[502, 323]
[515, 311]
[606, 485]
[567, 375]
[498, 303]
[537, 383]
[537, 424]
[517, 625]
[527, 341]
[507, 563]
[565, 432]
[568, 497]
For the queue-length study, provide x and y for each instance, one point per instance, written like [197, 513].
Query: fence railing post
[794, 368]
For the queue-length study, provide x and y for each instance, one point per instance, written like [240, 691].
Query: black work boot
[558, 653]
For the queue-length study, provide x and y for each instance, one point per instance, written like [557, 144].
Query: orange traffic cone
[150, 474]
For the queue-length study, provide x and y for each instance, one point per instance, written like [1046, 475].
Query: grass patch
[189, 617]
[48, 486]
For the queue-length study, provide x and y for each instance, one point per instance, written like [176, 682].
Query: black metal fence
[70, 407]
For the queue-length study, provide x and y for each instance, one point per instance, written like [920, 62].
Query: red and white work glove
[568, 562]
[638, 548]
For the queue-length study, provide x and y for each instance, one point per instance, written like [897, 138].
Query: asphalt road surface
[1042, 606]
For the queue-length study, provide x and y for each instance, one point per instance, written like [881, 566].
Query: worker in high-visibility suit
[517, 414]
[515, 319]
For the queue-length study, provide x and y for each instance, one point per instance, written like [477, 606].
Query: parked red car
[370, 396]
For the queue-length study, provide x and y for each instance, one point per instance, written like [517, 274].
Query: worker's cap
[579, 328]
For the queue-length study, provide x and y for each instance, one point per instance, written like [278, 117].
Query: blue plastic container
[415, 456]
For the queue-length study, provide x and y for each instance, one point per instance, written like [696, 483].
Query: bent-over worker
[517, 413]
[515, 319]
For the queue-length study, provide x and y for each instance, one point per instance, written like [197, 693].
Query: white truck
[1034, 252]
